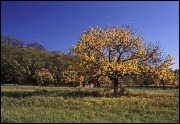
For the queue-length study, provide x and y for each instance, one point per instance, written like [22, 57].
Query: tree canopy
[116, 52]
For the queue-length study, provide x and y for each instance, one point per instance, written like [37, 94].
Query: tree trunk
[164, 86]
[122, 89]
[83, 83]
[115, 87]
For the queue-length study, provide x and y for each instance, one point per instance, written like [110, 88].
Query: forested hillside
[31, 63]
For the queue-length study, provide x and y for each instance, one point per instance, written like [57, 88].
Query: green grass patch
[30, 104]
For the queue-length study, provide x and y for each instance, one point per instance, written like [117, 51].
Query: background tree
[35, 45]
[176, 80]
[11, 68]
[19, 64]
[56, 63]
[12, 41]
[44, 77]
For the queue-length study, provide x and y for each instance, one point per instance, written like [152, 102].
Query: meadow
[30, 104]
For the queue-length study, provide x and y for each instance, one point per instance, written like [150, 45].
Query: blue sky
[58, 25]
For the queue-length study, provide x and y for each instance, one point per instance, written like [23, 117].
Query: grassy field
[66, 104]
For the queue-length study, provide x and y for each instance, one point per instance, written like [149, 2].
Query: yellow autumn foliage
[116, 52]
[44, 76]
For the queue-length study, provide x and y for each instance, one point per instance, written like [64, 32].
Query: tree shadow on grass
[66, 94]
[75, 94]
[16, 94]
[22, 94]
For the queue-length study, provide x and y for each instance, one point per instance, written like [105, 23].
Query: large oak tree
[117, 52]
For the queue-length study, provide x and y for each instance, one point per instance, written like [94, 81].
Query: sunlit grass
[63, 104]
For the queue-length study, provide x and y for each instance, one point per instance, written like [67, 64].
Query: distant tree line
[32, 64]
